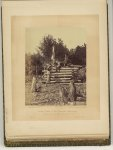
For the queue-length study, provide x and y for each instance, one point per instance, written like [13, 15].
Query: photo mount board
[44, 141]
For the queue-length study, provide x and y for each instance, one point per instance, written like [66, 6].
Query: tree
[46, 48]
[78, 55]
[34, 64]
[27, 64]
[60, 50]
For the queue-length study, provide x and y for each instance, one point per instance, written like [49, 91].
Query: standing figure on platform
[58, 66]
[73, 75]
[53, 56]
[65, 60]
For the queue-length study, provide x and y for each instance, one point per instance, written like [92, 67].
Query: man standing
[53, 56]
[65, 60]
[48, 77]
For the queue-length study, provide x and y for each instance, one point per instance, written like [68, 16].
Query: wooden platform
[63, 76]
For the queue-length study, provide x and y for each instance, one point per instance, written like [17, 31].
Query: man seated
[58, 66]
[49, 66]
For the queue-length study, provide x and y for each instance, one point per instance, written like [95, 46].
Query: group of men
[56, 66]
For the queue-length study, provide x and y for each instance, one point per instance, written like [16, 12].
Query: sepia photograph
[55, 73]
[55, 66]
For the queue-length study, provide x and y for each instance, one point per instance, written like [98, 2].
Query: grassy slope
[50, 95]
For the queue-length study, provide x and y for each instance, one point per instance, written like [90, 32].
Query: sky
[71, 36]
[73, 30]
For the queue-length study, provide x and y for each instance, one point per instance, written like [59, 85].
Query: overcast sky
[71, 36]
[73, 30]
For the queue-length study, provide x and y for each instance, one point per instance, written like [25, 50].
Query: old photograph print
[55, 63]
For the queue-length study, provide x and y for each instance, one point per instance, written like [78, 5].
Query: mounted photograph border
[46, 142]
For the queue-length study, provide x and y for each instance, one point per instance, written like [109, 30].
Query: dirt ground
[49, 95]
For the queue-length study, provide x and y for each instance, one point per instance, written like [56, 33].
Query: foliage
[46, 46]
[78, 55]
[49, 95]
[60, 50]
[81, 74]
[34, 63]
